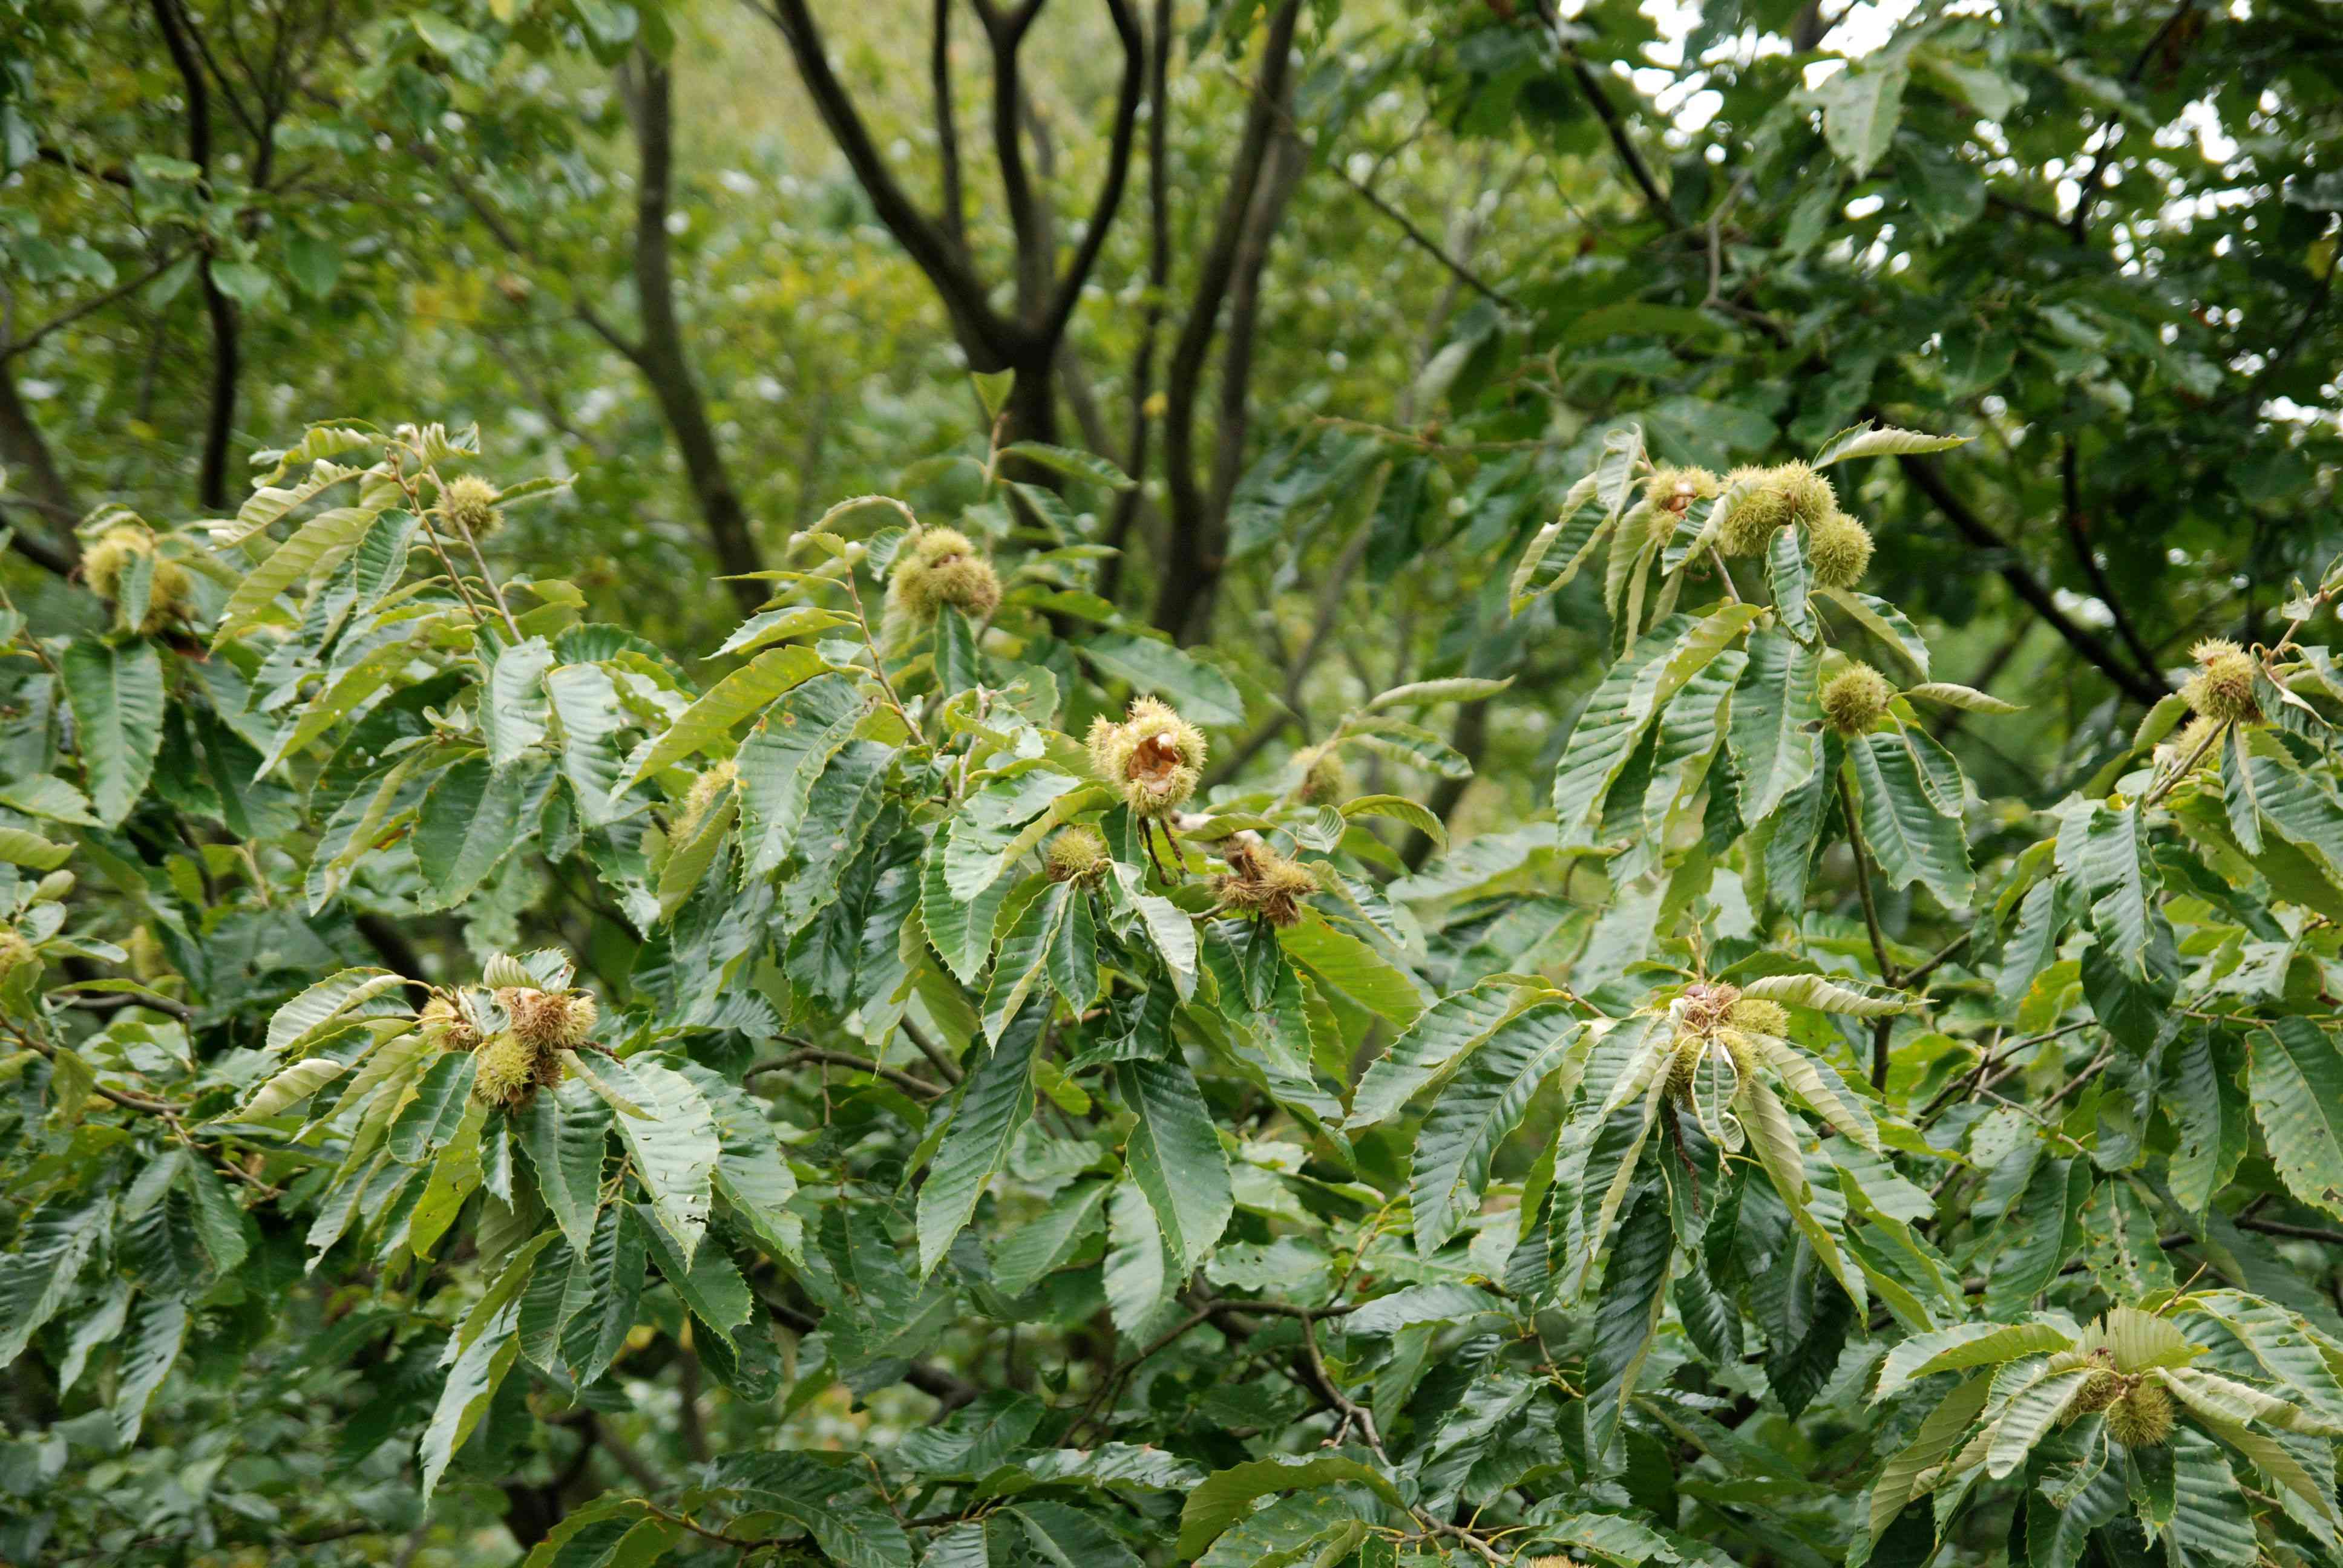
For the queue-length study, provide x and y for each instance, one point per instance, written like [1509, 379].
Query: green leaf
[324, 539]
[1635, 1297]
[1577, 530]
[150, 1345]
[117, 697]
[961, 929]
[1042, 1245]
[850, 1534]
[1966, 698]
[782, 758]
[1774, 710]
[1884, 621]
[1453, 689]
[472, 818]
[290, 1087]
[1228, 1495]
[1070, 462]
[1825, 994]
[674, 1144]
[586, 703]
[709, 1283]
[429, 1119]
[565, 1135]
[1480, 1106]
[2026, 1419]
[37, 1279]
[1400, 809]
[1175, 1157]
[749, 690]
[2209, 1527]
[513, 708]
[1068, 1538]
[1138, 1281]
[1791, 576]
[1201, 693]
[1646, 676]
[1910, 838]
[1024, 952]
[1962, 1346]
[1939, 1434]
[464, 1397]
[1352, 967]
[2296, 1079]
[993, 1109]
[1871, 441]
[751, 1174]
[324, 1007]
[1440, 1036]
[1861, 107]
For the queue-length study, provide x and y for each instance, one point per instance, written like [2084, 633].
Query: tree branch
[2078, 536]
[946, 127]
[1006, 35]
[10, 350]
[1118, 174]
[43, 486]
[980, 326]
[1159, 284]
[212, 480]
[1192, 567]
[2148, 689]
[1591, 87]
[666, 363]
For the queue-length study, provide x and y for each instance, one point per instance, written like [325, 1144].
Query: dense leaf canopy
[1358, 784]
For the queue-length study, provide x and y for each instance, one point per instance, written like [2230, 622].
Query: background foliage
[902, 1204]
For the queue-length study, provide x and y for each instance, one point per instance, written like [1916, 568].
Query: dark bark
[219, 422]
[38, 486]
[1128, 503]
[1026, 341]
[661, 356]
[2147, 688]
[1195, 544]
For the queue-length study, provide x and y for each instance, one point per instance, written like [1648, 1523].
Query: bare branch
[980, 326]
[1118, 172]
[9, 350]
[2147, 687]
[1193, 567]
[666, 362]
[179, 39]
[947, 126]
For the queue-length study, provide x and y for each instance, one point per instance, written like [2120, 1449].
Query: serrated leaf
[1351, 966]
[1228, 1495]
[1968, 699]
[1438, 1037]
[2296, 1079]
[674, 1143]
[994, 1108]
[1201, 693]
[1910, 838]
[116, 694]
[1962, 1346]
[1774, 709]
[1175, 1157]
[565, 1135]
[1825, 994]
[1870, 441]
[37, 1279]
[513, 707]
[749, 689]
[1628, 1314]
[1480, 1106]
